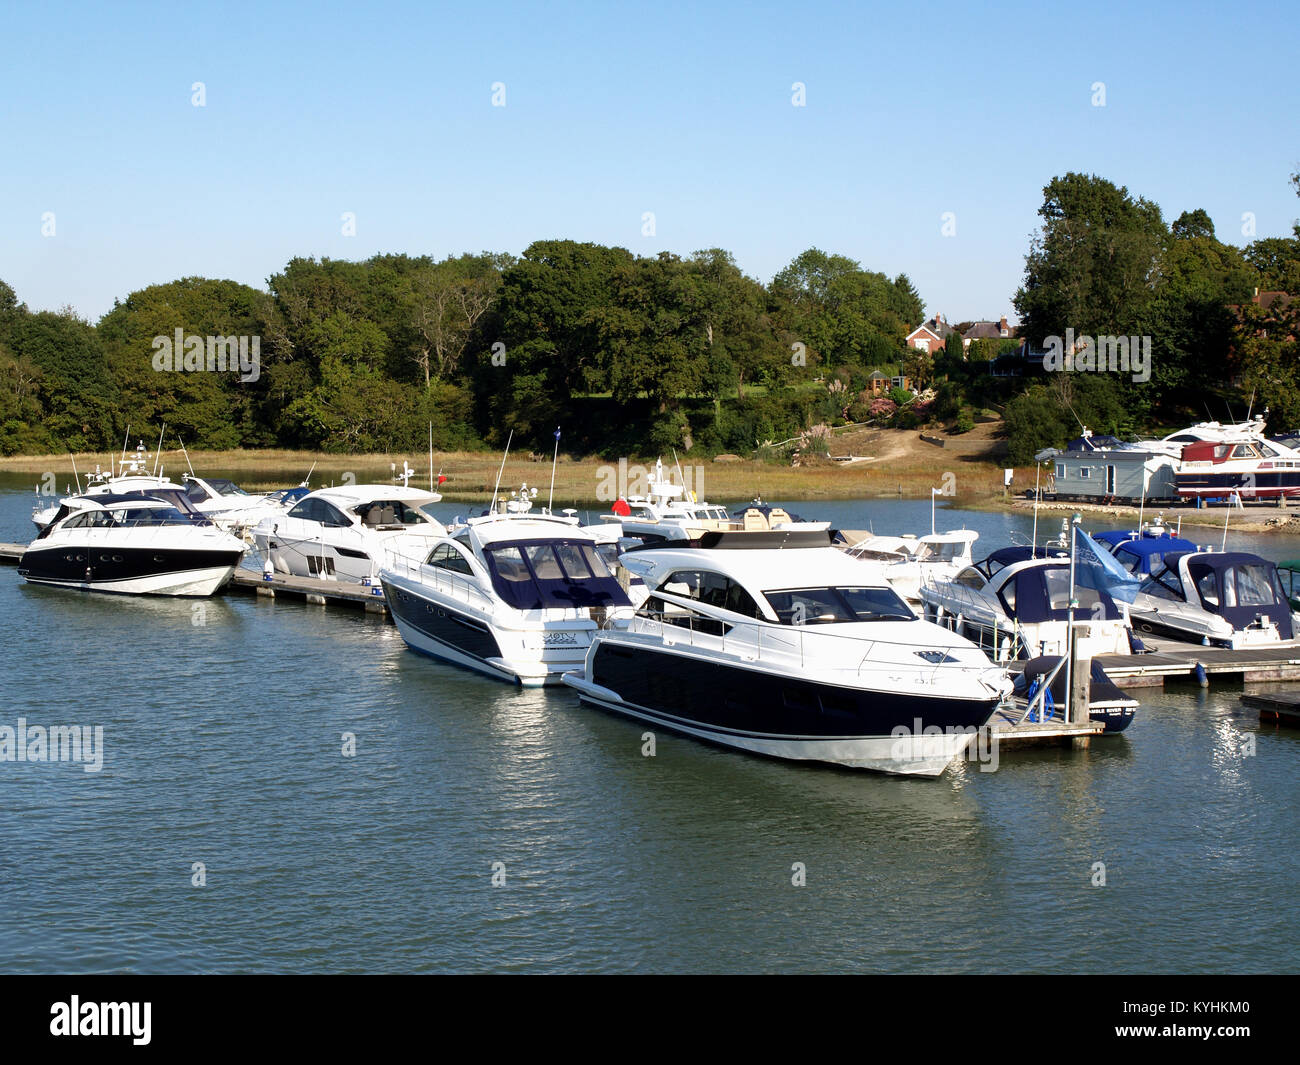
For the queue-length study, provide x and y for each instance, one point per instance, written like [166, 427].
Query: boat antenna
[158, 455]
[306, 480]
[492, 508]
[678, 463]
[75, 477]
[1038, 471]
[126, 442]
[554, 458]
[431, 457]
[1143, 501]
[187, 456]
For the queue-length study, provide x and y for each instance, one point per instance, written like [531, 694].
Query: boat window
[1207, 588]
[1251, 585]
[530, 576]
[1163, 585]
[385, 512]
[89, 519]
[1244, 451]
[826, 606]
[318, 510]
[944, 551]
[226, 487]
[196, 492]
[682, 616]
[969, 578]
[714, 589]
[444, 556]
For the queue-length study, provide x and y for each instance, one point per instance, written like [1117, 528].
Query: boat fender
[1201, 677]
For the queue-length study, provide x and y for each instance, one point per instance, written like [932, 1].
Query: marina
[454, 750]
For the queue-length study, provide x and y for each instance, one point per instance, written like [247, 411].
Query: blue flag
[1097, 568]
[557, 434]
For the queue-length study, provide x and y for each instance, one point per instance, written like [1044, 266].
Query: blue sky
[385, 111]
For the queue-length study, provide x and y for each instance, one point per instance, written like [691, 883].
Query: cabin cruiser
[1221, 598]
[1250, 467]
[345, 533]
[1141, 553]
[130, 544]
[910, 561]
[512, 594]
[1015, 602]
[779, 644]
[228, 505]
[131, 474]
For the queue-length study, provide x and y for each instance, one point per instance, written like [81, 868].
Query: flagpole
[1069, 626]
[1038, 471]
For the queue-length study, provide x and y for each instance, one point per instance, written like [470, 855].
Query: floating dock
[1274, 707]
[1007, 729]
[1180, 661]
[310, 589]
[11, 553]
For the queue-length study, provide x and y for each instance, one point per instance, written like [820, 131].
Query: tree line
[631, 354]
[622, 351]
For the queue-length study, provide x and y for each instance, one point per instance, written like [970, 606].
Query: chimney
[1003, 323]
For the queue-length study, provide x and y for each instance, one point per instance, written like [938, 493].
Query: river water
[483, 827]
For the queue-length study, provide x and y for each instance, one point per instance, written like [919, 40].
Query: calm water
[223, 745]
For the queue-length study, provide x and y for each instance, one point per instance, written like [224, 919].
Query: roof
[935, 327]
[351, 495]
[761, 568]
[1157, 545]
[989, 331]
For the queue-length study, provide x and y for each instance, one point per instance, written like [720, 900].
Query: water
[223, 745]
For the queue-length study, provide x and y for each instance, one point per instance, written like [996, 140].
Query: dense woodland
[632, 354]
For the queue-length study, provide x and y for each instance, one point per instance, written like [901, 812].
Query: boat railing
[961, 602]
[700, 627]
[456, 585]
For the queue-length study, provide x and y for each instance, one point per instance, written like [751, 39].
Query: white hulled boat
[779, 644]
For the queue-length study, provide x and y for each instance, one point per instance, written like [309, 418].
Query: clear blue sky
[385, 110]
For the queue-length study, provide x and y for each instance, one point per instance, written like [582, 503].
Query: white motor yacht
[779, 644]
[346, 533]
[131, 545]
[512, 594]
[910, 561]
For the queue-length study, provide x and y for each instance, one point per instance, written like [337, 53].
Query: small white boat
[1226, 599]
[1015, 603]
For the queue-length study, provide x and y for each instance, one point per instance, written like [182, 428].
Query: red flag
[441, 478]
[621, 508]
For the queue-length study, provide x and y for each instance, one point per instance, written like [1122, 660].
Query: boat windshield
[539, 574]
[225, 487]
[829, 606]
[128, 516]
[941, 551]
[382, 512]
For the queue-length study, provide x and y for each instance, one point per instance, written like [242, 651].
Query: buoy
[1201, 677]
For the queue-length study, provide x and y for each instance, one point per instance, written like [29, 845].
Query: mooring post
[1080, 694]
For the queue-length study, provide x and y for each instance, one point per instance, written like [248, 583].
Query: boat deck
[1179, 661]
